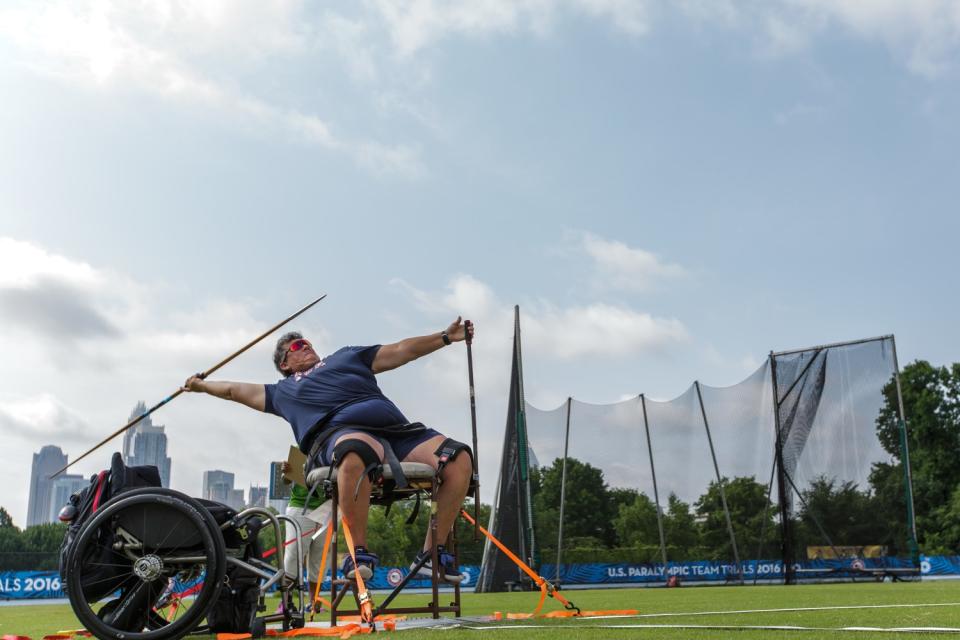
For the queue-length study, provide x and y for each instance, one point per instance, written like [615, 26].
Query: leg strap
[448, 450]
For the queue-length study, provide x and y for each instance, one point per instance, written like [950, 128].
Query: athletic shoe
[448, 573]
[366, 562]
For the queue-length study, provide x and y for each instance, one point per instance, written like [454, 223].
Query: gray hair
[280, 352]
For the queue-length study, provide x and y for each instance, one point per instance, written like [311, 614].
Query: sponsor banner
[387, 578]
[27, 585]
[708, 571]
[940, 565]
[23, 585]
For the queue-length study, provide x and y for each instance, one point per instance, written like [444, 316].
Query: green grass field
[924, 604]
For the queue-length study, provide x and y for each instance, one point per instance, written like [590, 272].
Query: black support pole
[786, 528]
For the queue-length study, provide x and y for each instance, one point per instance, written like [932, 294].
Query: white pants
[311, 549]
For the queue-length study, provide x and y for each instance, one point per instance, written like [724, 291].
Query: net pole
[723, 493]
[656, 493]
[907, 474]
[786, 538]
[524, 446]
[563, 488]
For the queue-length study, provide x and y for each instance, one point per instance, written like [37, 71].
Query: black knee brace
[352, 445]
[371, 461]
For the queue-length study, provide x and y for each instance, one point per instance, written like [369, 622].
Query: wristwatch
[444, 337]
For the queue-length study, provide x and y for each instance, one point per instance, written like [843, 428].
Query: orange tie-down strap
[570, 610]
[341, 631]
[323, 570]
[366, 605]
[546, 589]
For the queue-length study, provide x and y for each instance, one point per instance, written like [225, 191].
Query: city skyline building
[146, 444]
[46, 462]
[279, 491]
[218, 486]
[61, 488]
[257, 496]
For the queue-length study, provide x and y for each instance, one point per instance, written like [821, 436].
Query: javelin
[180, 390]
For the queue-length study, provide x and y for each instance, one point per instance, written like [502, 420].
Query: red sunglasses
[297, 345]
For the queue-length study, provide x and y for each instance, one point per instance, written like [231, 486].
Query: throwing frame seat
[421, 480]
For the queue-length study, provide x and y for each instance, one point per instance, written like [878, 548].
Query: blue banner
[387, 578]
[711, 571]
[27, 585]
[23, 585]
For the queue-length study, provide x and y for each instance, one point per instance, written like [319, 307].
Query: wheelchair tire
[157, 540]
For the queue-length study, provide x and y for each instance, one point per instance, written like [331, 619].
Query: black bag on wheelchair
[82, 505]
[236, 605]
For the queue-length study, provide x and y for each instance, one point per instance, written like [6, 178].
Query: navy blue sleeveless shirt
[340, 389]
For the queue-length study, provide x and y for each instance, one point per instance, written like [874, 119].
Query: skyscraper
[146, 444]
[257, 496]
[61, 488]
[48, 461]
[218, 486]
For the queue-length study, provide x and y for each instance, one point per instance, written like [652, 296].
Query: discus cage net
[798, 473]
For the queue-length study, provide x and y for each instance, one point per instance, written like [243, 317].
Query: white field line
[720, 627]
[673, 614]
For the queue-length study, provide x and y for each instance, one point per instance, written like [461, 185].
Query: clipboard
[296, 460]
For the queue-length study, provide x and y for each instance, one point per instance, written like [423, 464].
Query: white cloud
[42, 417]
[598, 329]
[926, 32]
[554, 332]
[189, 54]
[24, 265]
[418, 24]
[619, 266]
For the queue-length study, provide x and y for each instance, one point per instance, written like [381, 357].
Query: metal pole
[786, 541]
[656, 493]
[467, 326]
[832, 345]
[908, 475]
[522, 433]
[723, 493]
[563, 489]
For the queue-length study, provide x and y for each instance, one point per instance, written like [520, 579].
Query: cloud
[619, 266]
[923, 34]
[414, 25]
[50, 295]
[190, 54]
[926, 32]
[555, 332]
[55, 310]
[598, 329]
[43, 418]
[23, 265]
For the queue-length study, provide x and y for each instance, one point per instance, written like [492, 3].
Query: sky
[668, 190]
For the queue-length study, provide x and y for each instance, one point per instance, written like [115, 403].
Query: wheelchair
[153, 563]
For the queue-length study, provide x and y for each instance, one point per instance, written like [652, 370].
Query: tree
[846, 515]
[588, 510]
[5, 520]
[931, 399]
[636, 522]
[751, 515]
[680, 530]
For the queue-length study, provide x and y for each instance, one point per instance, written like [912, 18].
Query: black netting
[845, 488]
[508, 519]
[700, 479]
[741, 427]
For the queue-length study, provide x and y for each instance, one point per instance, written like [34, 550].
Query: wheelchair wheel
[147, 566]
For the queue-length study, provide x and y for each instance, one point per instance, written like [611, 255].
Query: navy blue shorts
[402, 444]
